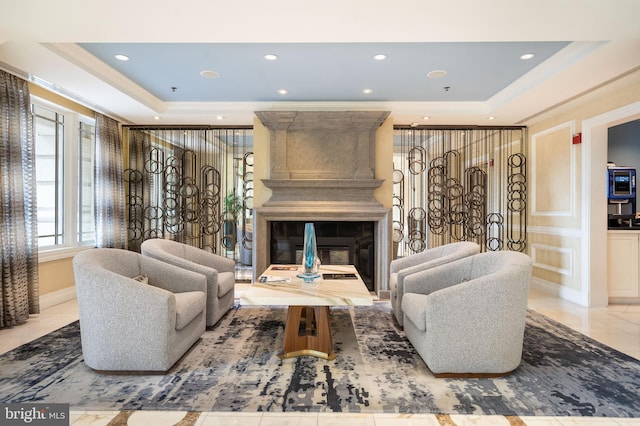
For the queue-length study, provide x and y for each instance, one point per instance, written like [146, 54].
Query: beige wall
[384, 163]
[55, 275]
[556, 232]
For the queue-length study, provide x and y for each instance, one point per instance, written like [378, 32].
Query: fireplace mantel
[301, 192]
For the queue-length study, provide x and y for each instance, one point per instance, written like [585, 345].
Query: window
[49, 134]
[64, 142]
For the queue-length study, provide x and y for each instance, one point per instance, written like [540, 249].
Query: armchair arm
[210, 274]
[437, 278]
[212, 260]
[413, 260]
[421, 266]
[172, 278]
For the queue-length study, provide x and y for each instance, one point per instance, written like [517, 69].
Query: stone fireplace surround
[322, 168]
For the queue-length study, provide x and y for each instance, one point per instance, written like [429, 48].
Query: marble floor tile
[539, 421]
[289, 419]
[472, 420]
[93, 418]
[330, 419]
[229, 419]
[406, 420]
[160, 418]
[594, 421]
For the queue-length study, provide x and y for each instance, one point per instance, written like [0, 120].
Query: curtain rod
[179, 127]
[456, 127]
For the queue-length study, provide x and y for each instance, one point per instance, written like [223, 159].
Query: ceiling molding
[83, 59]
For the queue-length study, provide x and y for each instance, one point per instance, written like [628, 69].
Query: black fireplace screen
[338, 243]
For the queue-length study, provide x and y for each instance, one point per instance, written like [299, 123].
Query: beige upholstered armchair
[403, 267]
[467, 318]
[136, 313]
[219, 270]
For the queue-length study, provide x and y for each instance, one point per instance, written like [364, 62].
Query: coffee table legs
[307, 331]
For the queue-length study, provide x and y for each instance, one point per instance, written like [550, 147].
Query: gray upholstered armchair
[466, 318]
[127, 324]
[219, 270]
[402, 267]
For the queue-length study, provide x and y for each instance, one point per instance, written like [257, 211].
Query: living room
[565, 195]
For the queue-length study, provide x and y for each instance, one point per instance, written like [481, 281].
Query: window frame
[70, 183]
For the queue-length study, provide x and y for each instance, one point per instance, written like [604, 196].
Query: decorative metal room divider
[192, 185]
[459, 184]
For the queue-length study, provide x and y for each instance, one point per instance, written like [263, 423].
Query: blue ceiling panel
[476, 71]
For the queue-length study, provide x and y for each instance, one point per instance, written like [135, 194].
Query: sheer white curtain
[111, 229]
[18, 218]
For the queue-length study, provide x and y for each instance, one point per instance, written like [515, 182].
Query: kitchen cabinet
[623, 273]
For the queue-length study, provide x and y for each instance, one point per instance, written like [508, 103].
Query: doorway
[594, 201]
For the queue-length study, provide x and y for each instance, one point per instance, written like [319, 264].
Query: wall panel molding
[561, 252]
[537, 162]
[556, 231]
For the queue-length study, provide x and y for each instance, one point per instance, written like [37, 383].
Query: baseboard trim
[57, 297]
[560, 291]
[624, 300]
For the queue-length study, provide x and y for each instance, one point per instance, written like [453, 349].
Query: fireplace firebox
[338, 243]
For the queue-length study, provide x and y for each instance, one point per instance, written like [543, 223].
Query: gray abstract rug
[235, 368]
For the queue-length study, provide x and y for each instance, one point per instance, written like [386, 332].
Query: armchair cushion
[412, 307]
[188, 306]
[226, 283]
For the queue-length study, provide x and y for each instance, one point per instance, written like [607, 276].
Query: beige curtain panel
[18, 223]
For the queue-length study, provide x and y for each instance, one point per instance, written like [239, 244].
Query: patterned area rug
[235, 368]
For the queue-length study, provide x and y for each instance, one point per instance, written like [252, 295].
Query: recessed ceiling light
[426, 117]
[156, 117]
[436, 73]
[220, 117]
[380, 57]
[492, 118]
[527, 56]
[121, 57]
[367, 91]
[271, 57]
[209, 74]
[283, 91]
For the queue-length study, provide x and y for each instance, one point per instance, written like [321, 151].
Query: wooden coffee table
[307, 328]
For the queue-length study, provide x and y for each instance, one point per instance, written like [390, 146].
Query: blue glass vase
[309, 255]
